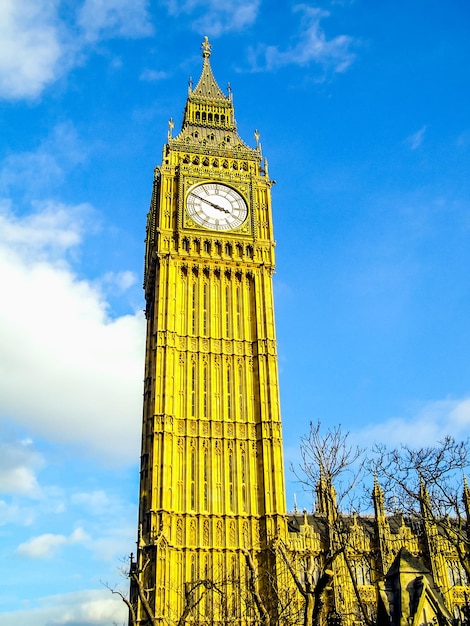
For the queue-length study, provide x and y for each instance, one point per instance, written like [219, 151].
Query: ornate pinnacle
[206, 48]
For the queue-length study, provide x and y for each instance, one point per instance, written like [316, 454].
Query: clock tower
[212, 498]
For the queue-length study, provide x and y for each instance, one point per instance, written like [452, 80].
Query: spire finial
[206, 48]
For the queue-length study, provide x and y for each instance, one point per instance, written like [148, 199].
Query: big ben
[212, 496]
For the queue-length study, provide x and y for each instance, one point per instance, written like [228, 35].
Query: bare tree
[331, 468]
[428, 486]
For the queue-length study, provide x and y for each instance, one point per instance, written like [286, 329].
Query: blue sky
[364, 113]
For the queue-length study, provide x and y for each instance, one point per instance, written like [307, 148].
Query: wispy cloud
[152, 75]
[416, 139]
[213, 17]
[44, 166]
[114, 18]
[19, 463]
[46, 546]
[87, 608]
[312, 46]
[430, 422]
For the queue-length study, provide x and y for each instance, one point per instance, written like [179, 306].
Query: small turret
[378, 499]
[466, 499]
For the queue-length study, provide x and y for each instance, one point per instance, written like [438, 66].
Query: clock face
[216, 206]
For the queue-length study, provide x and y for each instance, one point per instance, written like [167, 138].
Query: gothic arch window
[207, 246]
[185, 244]
[203, 116]
[249, 252]
[196, 134]
[362, 572]
[206, 162]
[456, 573]
[186, 158]
[228, 249]
[216, 118]
[196, 160]
[222, 119]
[198, 116]
[225, 164]
[209, 117]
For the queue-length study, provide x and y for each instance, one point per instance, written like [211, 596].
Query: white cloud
[152, 75]
[45, 546]
[19, 463]
[38, 46]
[425, 425]
[87, 608]
[45, 166]
[95, 502]
[217, 17]
[312, 46]
[31, 51]
[67, 370]
[416, 139]
[114, 18]
[14, 514]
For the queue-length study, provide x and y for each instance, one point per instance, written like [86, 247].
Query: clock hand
[216, 206]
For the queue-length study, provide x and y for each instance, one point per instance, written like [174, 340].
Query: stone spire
[378, 499]
[207, 86]
[466, 498]
[209, 117]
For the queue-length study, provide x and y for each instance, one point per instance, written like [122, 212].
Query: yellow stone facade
[215, 544]
[212, 472]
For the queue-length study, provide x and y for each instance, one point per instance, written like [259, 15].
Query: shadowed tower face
[212, 480]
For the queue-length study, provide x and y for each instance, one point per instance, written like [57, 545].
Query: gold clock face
[216, 206]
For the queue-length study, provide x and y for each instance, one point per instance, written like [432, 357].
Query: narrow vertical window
[193, 479]
[243, 477]
[230, 481]
[206, 480]
[229, 392]
[241, 395]
[194, 308]
[217, 306]
[227, 311]
[193, 390]
[239, 312]
[205, 384]
[205, 308]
